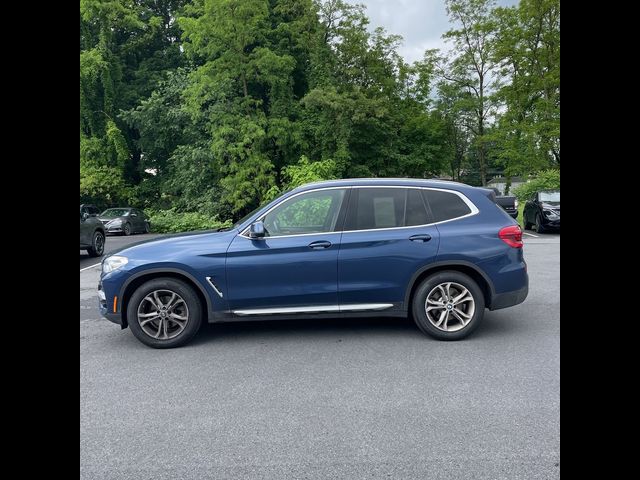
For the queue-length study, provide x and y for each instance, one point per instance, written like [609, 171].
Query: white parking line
[87, 268]
[530, 234]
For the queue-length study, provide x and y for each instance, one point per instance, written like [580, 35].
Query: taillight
[512, 236]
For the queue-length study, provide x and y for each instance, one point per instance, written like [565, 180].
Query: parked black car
[92, 235]
[125, 221]
[509, 203]
[542, 211]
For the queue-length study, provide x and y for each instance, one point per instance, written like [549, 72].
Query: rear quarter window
[445, 205]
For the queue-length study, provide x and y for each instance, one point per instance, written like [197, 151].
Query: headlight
[113, 262]
[115, 222]
[550, 214]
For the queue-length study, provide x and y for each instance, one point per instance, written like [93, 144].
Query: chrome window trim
[465, 199]
[261, 217]
[315, 309]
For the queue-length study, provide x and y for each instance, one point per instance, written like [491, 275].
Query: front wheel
[448, 305]
[539, 228]
[97, 245]
[164, 313]
[126, 230]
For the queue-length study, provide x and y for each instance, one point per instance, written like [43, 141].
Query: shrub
[170, 221]
[547, 179]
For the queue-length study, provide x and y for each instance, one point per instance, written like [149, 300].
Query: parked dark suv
[440, 252]
[542, 211]
[92, 237]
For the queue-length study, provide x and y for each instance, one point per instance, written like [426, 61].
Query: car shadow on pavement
[339, 327]
[492, 326]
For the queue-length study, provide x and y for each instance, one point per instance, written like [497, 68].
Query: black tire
[430, 283]
[538, 226]
[527, 225]
[194, 316]
[126, 229]
[97, 244]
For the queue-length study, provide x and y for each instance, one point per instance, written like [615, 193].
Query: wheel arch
[139, 278]
[468, 268]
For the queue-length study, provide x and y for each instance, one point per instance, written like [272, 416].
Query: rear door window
[374, 208]
[371, 208]
[416, 213]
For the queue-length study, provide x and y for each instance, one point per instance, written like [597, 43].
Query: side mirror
[256, 230]
[85, 215]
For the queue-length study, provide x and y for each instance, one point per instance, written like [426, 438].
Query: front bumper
[552, 224]
[103, 306]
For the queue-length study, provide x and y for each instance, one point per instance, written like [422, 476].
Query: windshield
[550, 196]
[248, 215]
[115, 212]
[254, 211]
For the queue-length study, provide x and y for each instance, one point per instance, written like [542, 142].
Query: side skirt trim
[315, 309]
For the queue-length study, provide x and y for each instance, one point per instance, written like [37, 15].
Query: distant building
[501, 182]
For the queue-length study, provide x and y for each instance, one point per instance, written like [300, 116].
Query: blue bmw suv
[440, 252]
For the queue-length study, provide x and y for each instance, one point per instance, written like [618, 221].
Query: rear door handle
[420, 238]
[319, 244]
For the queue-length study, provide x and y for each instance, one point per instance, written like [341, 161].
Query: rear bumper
[509, 299]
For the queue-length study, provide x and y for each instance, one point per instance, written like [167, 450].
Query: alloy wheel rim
[99, 243]
[450, 306]
[163, 314]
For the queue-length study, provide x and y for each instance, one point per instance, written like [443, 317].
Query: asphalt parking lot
[365, 398]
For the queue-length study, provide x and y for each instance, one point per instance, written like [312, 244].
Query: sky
[420, 22]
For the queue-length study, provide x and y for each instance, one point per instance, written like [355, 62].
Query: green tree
[125, 48]
[528, 48]
[243, 89]
[472, 65]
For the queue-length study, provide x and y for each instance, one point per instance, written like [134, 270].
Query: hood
[109, 219]
[551, 205]
[175, 247]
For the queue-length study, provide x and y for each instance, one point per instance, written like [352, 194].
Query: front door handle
[319, 244]
[420, 238]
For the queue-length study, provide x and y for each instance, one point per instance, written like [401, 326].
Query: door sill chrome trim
[315, 309]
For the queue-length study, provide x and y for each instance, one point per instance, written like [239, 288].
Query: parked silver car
[125, 221]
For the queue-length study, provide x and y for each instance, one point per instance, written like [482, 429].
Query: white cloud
[420, 22]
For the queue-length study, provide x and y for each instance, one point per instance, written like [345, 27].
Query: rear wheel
[164, 313]
[448, 305]
[97, 245]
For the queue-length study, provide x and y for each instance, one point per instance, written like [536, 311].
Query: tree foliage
[545, 180]
[215, 106]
